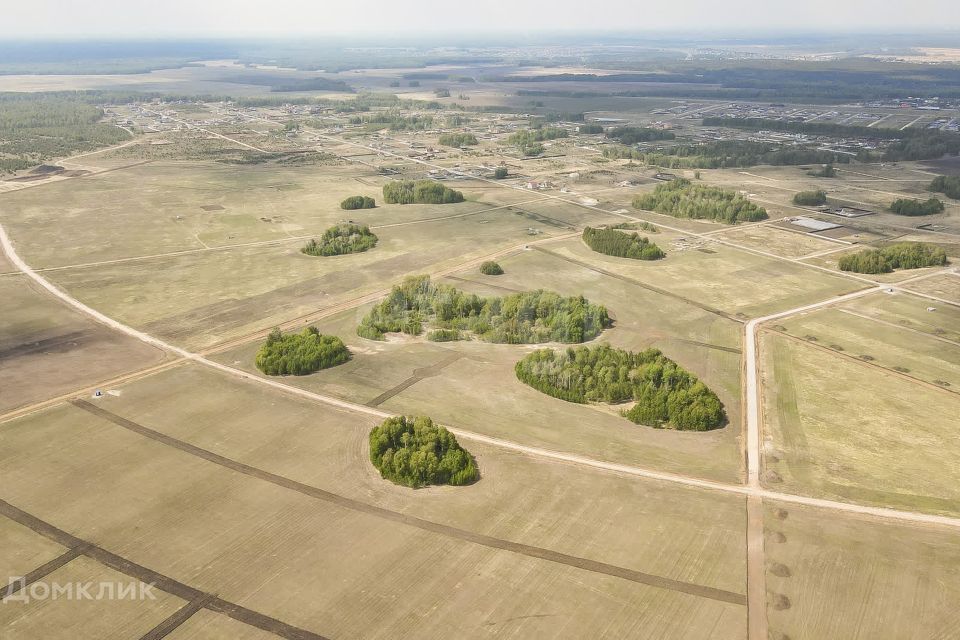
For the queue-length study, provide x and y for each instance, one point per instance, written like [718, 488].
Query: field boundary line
[450, 531]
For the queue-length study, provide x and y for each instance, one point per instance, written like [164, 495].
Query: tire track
[643, 285]
[491, 542]
[154, 578]
[418, 375]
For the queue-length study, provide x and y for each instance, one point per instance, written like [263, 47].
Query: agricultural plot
[472, 385]
[285, 547]
[47, 349]
[71, 618]
[867, 440]
[910, 312]
[946, 286]
[780, 242]
[736, 282]
[914, 355]
[201, 298]
[832, 575]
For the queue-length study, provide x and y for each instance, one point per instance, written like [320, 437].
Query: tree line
[301, 353]
[458, 139]
[664, 394]
[682, 199]
[905, 144]
[622, 245]
[724, 154]
[528, 141]
[520, 318]
[415, 452]
[419, 192]
[902, 255]
[341, 239]
[913, 207]
[634, 135]
[947, 185]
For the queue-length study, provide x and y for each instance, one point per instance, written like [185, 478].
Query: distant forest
[906, 144]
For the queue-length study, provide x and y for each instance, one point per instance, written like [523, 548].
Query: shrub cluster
[810, 198]
[500, 173]
[902, 255]
[947, 185]
[520, 318]
[358, 202]
[301, 353]
[827, 171]
[664, 394]
[341, 239]
[415, 452]
[491, 268]
[458, 139]
[682, 199]
[616, 243]
[419, 192]
[911, 207]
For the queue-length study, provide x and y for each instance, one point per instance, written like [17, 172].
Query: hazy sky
[93, 18]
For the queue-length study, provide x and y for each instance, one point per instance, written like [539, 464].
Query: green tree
[415, 452]
[300, 353]
[616, 243]
[341, 239]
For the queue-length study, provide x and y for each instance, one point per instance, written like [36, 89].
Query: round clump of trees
[299, 354]
[358, 202]
[914, 207]
[491, 268]
[341, 239]
[415, 452]
[810, 198]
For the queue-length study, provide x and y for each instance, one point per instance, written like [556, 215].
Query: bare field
[911, 312]
[734, 281]
[88, 618]
[897, 349]
[770, 239]
[848, 576]
[202, 298]
[47, 349]
[320, 563]
[868, 440]
[459, 392]
[946, 286]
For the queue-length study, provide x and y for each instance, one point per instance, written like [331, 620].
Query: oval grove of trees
[520, 318]
[301, 353]
[682, 199]
[912, 207]
[664, 394]
[415, 452]
[810, 198]
[419, 192]
[902, 255]
[358, 202]
[341, 239]
[624, 245]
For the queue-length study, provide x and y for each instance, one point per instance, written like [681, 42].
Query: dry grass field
[258, 505]
[846, 576]
[47, 349]
[317, 561]
[866, 440]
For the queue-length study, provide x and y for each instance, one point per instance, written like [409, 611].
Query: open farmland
[142, 443]
[868, 440]
[311, 535]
